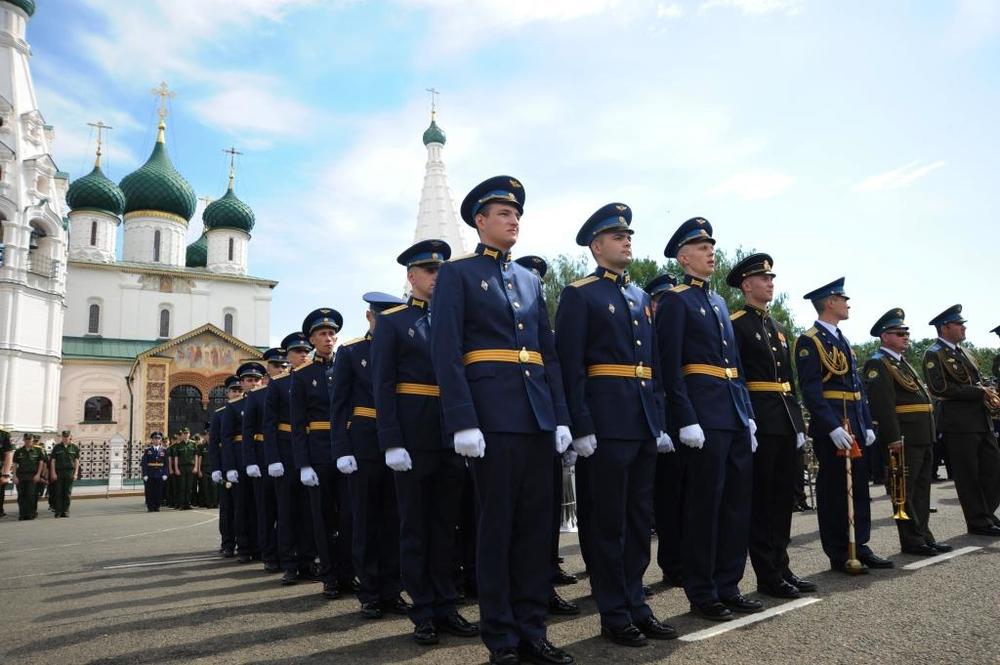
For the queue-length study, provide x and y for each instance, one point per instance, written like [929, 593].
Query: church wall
[82, 380]
[139, 241]
[80, 247]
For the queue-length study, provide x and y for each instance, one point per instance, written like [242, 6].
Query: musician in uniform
[375, 546]
[504, 408]
[610, 368]
[244, 507]
[709, 404]
[953, 377]
[227, 520]
[904, 426]
[767, 361]
[832, 392]
[296, 543]
[154, 472]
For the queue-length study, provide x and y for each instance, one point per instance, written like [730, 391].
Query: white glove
[253, 471]
[563, 438]
[664, 444]
[468, 443]
[585, 446]
[841, 438]
[145, 479]
[347, 464]
[217, 477]
[692, 436]
[308, 477]
[800, 440]
[233, 476]
[753, 438]
[569, 458]
[869, 437]
[398, 459]
[752, 424]
[163, 478]
[276, 470]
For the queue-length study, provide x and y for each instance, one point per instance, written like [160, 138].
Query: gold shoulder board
[352, 341]
[583, 282]
[737, 314]
[680, 288]
[303, 365]
[393, 310]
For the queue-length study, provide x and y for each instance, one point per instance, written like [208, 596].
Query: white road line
[939, 558]
[161, 563]
[747, 620]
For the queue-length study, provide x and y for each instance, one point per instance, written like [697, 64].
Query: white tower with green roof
[32, 240]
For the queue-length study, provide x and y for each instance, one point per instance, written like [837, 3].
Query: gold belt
[769, 387]
[711, 370]
[238, 438]
[155, 464]
[915, 408]
[318, 426]
[258, 437]
[285, 427]
[425, 389]
[365, 411]
[841, 395]
[624, 371]
[503, 356]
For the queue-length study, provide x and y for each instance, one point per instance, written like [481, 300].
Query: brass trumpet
[992, 400]
[897, 480]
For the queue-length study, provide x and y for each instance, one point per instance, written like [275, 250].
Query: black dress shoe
[289, 578]
[672, 580]
[652, 628]
[455, 624]
[991, 530]
[331, 590]
[781, 589]
[505, 656]
[804, 586]
[801, 507]
[743, 605]
[562, 607]
[425, 634]
[647, 590]
[543, 652]
[920, 550]
[713, 611]
[245, 558]
[227, 553]
[873, 560]
[371, 610]
[271, 567]
[627, 636]
[562, 578]
[932, 509]
[941, 548]
[841, 567]
[395, 606]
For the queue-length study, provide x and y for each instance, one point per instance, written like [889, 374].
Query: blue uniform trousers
[831, 500]
[621, 499]
[557, 501]
[514, 485]
[376, 531]
[428, 497]
[668, 511]
[330, 505]
[154, 492]
[245, 515]
[227, 517]
[583, 514]
[715, 523]
[267, 514]
[296, 543]
[774, 468]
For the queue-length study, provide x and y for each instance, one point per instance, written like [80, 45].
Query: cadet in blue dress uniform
[227, 518]
[373, 494]
[767, 359]
[265, 498]
[503, 405]
[310, 420]
[154, 473]
[296, 544]
[233, 445]
[832, 391]
[429, 474]
[709, 404]
[610, 368]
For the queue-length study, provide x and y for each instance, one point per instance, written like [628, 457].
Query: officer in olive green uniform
[185, 454]
[6, 461]
[28, 464]
[64, 465]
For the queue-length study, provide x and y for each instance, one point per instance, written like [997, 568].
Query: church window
[231, 243]
[94, 320]
[97, 410]
[227, 323]
[93, 233]
[156, 246]
[164, 323]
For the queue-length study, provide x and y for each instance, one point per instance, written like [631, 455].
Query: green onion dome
[434, 134]
[157, 186]
[28, 6]
[95, 191]
[197, 253]
[228, 213]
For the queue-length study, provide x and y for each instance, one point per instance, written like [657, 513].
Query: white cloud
[753, 185]
[754, 7]
[669, 11]
[974, 22]
[254, 111]
[897, 178]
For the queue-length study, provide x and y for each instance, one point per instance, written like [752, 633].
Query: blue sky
[844, 138]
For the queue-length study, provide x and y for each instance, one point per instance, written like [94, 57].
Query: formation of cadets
[435, 443]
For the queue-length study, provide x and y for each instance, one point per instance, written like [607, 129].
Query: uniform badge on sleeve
[803, 353]
[930, 364]
[873, 374]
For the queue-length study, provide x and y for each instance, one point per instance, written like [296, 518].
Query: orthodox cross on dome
[206, 200]
[434, 94]
[232, 152]
[99, 126]
[164, 93]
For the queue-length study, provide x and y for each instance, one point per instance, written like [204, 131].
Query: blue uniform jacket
[231, 434]
[816, 352]
[253, 428]
[401, 354]
[154, 461]
[215, 441]
[277, 421]
[695, 333]
[310, 413]
[352, 406]
[605, 324]
[486, 302]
